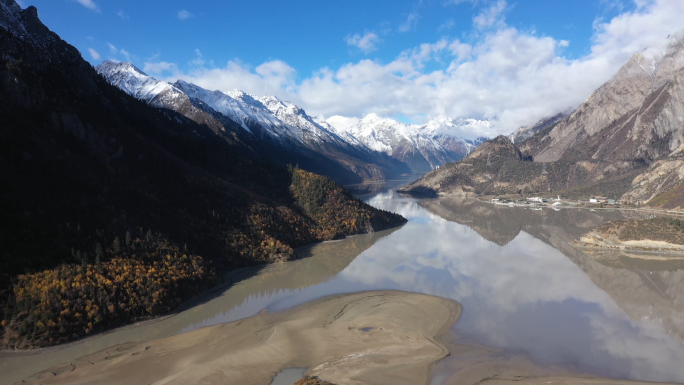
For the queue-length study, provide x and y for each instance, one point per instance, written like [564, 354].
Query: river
[525, 289]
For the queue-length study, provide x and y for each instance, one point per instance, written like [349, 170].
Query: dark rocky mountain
[114, 210]
[624, 141]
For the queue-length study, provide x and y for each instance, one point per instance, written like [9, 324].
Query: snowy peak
[423, 147]
[281, 121]
[465, 128]
[113, 67]
[245, 98]
[276, 105]
[427, 146]
[132, 80]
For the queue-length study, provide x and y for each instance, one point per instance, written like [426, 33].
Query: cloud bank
[509, 76]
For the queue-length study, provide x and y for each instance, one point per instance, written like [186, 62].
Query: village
[557, 203]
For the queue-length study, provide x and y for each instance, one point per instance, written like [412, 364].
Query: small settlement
[554, 202]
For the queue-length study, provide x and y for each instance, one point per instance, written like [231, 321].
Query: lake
[524, 287]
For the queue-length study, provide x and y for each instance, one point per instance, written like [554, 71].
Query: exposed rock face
[633, 121]
[525, 132]
[660, 185]
[638, 114]
[498, 167]
[474, 174]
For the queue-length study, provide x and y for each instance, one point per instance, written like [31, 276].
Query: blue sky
[308, 35]
[394, 57]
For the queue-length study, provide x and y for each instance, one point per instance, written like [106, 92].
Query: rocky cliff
[625, 140]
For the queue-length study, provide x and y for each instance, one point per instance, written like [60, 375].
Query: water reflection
[524, 287]
[522, 284]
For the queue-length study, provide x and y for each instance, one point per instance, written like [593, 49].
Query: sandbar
[379, 337]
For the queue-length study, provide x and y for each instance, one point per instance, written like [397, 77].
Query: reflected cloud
[524, 287]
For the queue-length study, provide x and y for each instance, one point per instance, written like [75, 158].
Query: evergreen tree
[116, 245]
[98, 254]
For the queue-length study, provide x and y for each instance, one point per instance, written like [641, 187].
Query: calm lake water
[523, 286]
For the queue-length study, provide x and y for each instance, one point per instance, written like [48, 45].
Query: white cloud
[198, 61]
[456, 2]
[123, 15]
[274, 77]
[366, 43]
[21, 3]
[509, 76]
[491, 15]
[613, 4]
[184, 15]
[158, 68]
[90, 4]
[447, 25]
[94, 54]
[342, 123]
[410, 23]
[115, 52]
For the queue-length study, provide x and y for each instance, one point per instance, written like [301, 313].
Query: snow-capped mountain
[451, 133]
[280, 120]
[373, 142]
[422, 147]
[269, 128]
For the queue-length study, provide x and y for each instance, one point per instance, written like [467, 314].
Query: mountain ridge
[246, 121]
[403, 148]
[625, 141]
[424, 147]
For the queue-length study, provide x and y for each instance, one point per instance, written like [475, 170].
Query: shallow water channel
[524, 287]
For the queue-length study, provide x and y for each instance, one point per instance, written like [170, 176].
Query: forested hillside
[114, 210]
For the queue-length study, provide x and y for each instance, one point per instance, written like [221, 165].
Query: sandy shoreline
[382, 337]
[374, 337]
[632, 251]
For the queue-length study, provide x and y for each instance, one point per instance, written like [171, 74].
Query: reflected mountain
[642, 288]
[501, 224]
